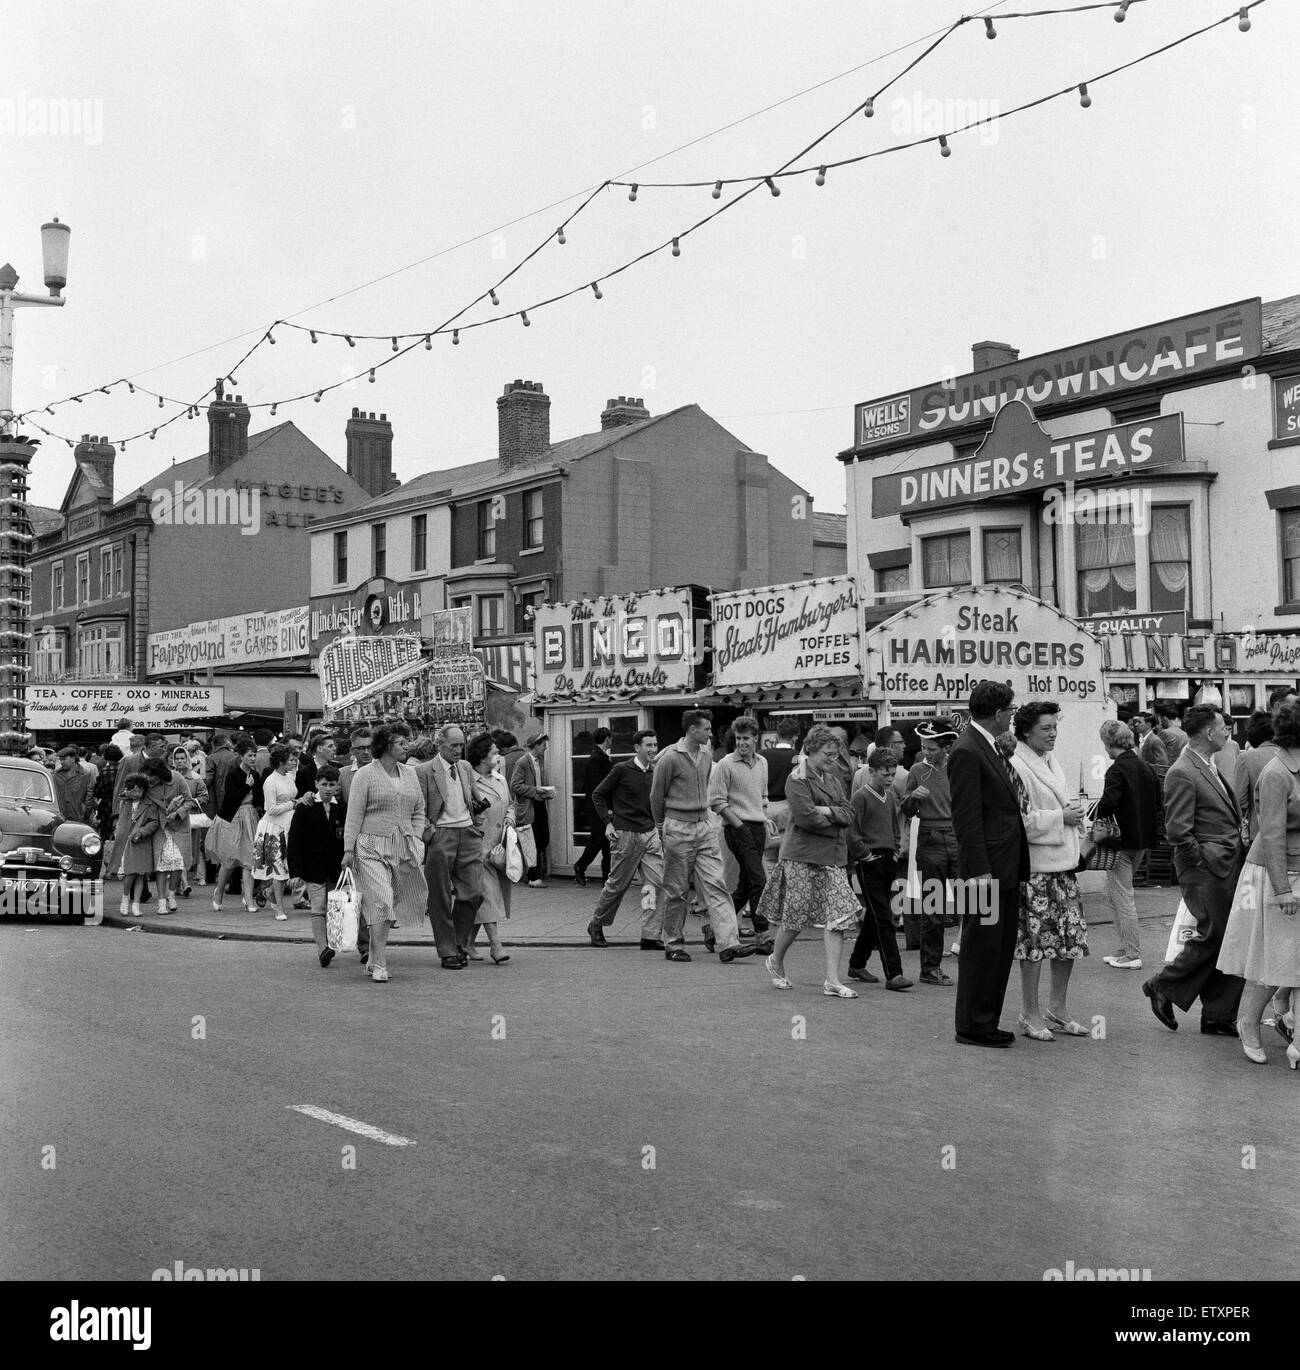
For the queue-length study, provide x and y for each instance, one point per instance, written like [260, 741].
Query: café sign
[51, 707]
[615, 646]
[785, 634]
[270, 636]
[1018, 457]
[1169, 352]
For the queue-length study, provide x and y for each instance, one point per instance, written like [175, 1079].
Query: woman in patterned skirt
[171, 795]
[230, 838]
[1052, 926]
[271, 843]
[490, 785]
[809, 887]
[381, 842]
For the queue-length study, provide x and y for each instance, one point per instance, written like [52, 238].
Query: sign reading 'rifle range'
[786, 633]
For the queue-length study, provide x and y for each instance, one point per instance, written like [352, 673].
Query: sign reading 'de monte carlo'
[50, 707]
[280, 633]
[1165, 351]
[352, 668]
[1017, 456]
[783, 634]
[616, 645]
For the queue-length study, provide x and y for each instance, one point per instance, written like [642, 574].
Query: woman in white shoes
[1262, 940]
[230, 838]
[132, 856]
[809, 887]
[1131, 797]
[271, 841]
[1052, 926]
[171, 795]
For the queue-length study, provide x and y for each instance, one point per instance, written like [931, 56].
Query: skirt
[1052, 926]
[1260, 943]
[231, 844]
[799, 896]
[167, 853]
[495, 904]
[389, 882]
[270, 851]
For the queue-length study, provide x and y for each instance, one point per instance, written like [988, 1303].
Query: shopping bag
[514, 856]
[342, 914]
[912, 889]
[1182, 932]
[527, 845]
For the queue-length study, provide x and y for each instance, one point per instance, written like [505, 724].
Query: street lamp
[16, 536]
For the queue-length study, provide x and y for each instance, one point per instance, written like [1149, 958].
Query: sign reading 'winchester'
[1162, 352]
[1018, 456]
[785, 633]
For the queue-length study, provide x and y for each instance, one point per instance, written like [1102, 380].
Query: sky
[373, 168]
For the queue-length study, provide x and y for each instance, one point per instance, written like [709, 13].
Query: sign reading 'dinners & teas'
[270, 636]
[615, 646]
[50, 707]
[352, 668]
[784, 634]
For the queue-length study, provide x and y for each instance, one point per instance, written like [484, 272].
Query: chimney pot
[988, 354]
[523, 424]
[355, 411]
[622, 411]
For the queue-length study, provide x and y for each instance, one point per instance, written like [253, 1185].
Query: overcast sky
[240, 163]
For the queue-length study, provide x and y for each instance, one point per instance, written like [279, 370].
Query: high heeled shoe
[1037, 1034]
[498, 960]
[1293, 1056]
[1252, 1051]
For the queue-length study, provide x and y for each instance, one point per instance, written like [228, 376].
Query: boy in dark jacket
[316, 855]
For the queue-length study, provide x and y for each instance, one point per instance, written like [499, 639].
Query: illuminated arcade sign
[353, 667]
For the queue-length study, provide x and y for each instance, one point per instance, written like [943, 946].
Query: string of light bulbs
[751, 183]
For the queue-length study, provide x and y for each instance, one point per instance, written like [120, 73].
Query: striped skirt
[390, 881]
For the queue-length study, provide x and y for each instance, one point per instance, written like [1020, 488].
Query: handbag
[1103, 831]
[343, 914]
[527, 844]
[514, 863]
[1182, 932]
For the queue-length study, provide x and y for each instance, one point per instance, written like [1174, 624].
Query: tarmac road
[775, 1154]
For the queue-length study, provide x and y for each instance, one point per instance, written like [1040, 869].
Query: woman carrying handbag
[495, 818]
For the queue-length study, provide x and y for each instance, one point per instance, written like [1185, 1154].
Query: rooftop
[831, 529]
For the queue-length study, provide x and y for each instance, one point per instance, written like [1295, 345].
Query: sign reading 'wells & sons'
[786, 634]
[1164, 351]
[353, 668]
[616, 646]
[1017, 457]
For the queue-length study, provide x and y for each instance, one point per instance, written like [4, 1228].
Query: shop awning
[264, 694]
[809, 692]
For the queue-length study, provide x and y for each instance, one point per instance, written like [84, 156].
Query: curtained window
[1002, 556]
[1169, 552]
[1291, 555]
[897, 580]
[1107, 565]
[946, 560]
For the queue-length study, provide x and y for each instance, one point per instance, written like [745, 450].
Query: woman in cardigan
[491, 787]
[1132, 797]
[1052, 926]
[381, 842]
[1262, 939]
[809, 887]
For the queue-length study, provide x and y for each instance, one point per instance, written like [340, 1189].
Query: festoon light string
[751, 183]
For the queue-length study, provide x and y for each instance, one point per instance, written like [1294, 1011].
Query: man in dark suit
[597, 768]
[453, 863]
[1203, 824]
[993, 858]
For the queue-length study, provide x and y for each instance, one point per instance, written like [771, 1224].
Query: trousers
[696, 848]
[877, 933]
[634, 856]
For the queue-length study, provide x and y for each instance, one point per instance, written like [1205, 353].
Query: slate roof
[195, 470]
[831, 529]
[1281, 324]
[44, 520]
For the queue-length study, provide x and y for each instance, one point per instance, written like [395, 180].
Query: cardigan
[1053, 844]
[813, 838]
[379, 808]
[1277, 845]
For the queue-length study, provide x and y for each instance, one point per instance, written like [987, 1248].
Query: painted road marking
[376, 1134]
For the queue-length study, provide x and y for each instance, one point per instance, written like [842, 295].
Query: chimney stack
[227, 430]
[98, 453]
[370, 452]
[987, 355]
[523, 424]
[623, 411]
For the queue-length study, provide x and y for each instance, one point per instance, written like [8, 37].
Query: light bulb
[455, 337]
[312, 331]
[1122, 11]
[1243, 20]
[772, 185]
[559, 236]
[523, 314]
[153, 435]
[677, 248]
[595, 290]
[349, 341]
[270, 337]
[821, 175]
[428, 343]
[632, 193]
[103, 390]
[944, 149]
[1084, 98]
[869, 108]
[492, 295]
[372, 375]
[274, 407]
[319, 393]
[989, 30]
[130, 387]
[394, 344]
[160, 402]
[717, 191]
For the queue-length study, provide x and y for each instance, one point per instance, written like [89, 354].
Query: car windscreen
[29, 785]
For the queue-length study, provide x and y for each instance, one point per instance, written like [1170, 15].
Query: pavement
[556, 916]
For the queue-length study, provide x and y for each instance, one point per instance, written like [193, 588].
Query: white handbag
[342, 914]
[1182, 932]
[514, 856]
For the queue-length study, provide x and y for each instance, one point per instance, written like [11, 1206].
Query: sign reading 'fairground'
[785, 633]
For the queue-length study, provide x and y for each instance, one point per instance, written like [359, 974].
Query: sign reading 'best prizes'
[615, 646]
[785, 634]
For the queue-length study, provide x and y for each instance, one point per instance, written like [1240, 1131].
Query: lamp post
[16, 537]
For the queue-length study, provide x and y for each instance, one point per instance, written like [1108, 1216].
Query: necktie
[1017, 784]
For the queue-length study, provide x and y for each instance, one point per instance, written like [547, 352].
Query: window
[50, 660]
[1107, 565]
[946, 560]
[1290, 555]
[341, 557]
[1002, 556]
[420, 542]
[1169, 552]
[532, 518]
[487, 529]
[379, 550]
[463, 602]
[99, 652]
[105, 572]
[83, 578]
[897, 580]
[491, 615]
[56, 586]
[529, 602]
[118, 558]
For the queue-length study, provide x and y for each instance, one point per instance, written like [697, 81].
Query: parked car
[49, 865]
